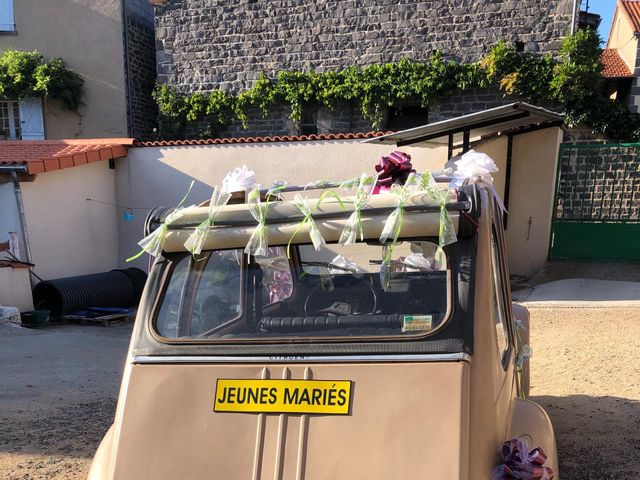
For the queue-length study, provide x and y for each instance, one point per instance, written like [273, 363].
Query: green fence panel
[596, 241]
[597, 206]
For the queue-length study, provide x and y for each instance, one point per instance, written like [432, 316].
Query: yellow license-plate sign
[322, 397]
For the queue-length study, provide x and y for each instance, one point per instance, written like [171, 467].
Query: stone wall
[206, 44]
[140, 68]
[474, 100]
[599, 182]
[342, 119]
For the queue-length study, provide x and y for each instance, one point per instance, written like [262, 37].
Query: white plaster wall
[161, 175]
[623, 39]
[533, 180]
[496, 148]
[68, 234]
[15, 289]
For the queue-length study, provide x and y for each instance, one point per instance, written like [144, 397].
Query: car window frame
[504, 300]
[296, 269]
[166, 281]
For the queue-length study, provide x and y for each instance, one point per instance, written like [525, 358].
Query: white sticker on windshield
[417, 323]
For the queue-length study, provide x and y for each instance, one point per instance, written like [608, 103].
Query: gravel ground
[586, 373]
[58, 390]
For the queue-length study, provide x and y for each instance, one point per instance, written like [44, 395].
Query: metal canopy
[461, 131]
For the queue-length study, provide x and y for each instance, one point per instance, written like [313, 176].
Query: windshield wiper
[330, 266]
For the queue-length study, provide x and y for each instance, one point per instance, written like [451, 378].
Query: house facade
[109, 43]
[203, 45]
[621, 58]
[58, 211]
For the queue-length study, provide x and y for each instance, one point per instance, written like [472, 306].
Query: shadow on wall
[597, 437]
[141, 191]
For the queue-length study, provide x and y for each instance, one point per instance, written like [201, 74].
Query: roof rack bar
[455, 206]
[324, 185]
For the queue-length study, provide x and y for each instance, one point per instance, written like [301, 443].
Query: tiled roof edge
[271, 139]
[613, 66]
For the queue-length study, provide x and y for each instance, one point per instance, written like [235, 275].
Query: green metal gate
[597, 208]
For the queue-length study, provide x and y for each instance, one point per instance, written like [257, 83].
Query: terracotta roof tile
[273, 139]
[46, 155]
[613, 66]
[632, 9]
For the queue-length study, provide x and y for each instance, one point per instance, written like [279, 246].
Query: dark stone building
[140, 67]
[206, 44]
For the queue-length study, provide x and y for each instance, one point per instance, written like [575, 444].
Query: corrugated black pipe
[117, 288]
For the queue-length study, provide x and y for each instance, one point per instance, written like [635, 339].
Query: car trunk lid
[405, 420]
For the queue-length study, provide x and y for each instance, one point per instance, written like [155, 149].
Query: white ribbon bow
[419, 261]
[345, 264]
[480, 166]
[240, 179]
[474, 164]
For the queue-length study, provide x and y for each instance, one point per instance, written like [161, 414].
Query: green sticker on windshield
[417, 323]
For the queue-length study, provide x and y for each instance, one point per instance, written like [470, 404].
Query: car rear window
[297, 293]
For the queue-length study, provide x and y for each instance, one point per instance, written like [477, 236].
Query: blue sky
[605, 9]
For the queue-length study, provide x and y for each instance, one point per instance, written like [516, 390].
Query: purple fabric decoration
[520, 463]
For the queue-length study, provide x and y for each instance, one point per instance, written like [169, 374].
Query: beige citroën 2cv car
[395, 359]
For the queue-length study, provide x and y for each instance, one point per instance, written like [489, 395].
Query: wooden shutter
[31, 119]
[7, 24]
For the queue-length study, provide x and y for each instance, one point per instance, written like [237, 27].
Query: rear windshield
[361, 290]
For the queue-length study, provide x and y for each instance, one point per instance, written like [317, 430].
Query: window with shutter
[9, 120]
[31, 119]
[7, 23]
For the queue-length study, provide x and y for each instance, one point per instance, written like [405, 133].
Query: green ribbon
[393, 226]
[316, 237]
[275, 189]
[258, 244]
[196, 240]
[330, 193]
[154, 242]
[353, 227]
[447, 232]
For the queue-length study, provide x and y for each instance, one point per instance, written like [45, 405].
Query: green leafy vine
[27, 74]
[573, 82]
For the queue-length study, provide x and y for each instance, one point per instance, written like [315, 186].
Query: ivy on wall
[27, 74]
[573, 82]
[375, 88]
